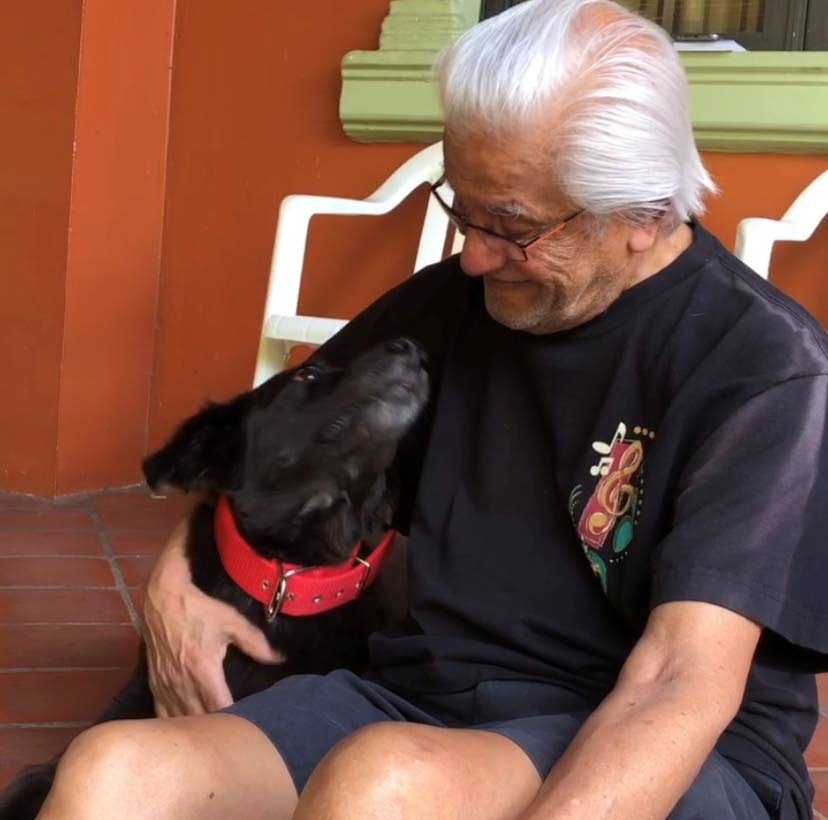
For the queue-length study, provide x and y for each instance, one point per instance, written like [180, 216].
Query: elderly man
[615, 500]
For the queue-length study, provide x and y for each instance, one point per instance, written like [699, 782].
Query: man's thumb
[252, 641]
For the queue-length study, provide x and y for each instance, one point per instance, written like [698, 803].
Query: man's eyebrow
[507, 208]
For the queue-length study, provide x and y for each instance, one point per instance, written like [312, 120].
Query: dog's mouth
[398, 402]
[394, 387]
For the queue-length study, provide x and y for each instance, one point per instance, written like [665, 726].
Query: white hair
[612, 90]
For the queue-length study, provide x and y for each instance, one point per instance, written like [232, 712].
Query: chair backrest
[282, 328]
[755, 236]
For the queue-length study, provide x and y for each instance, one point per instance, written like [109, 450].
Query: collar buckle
[363, 582]
[281, 594]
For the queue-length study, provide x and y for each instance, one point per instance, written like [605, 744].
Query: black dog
[299, 466]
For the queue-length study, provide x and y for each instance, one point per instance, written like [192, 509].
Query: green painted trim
[754, 101]
[759, 101]
[389, 94]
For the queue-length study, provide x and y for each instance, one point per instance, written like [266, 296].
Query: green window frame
[750, 101]
[786, 25]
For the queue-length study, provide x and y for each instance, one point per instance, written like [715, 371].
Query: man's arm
[187, 634]
[640, 751]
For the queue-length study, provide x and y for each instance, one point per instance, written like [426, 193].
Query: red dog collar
[293, 588]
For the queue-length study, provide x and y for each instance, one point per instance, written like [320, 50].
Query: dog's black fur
[303, 460]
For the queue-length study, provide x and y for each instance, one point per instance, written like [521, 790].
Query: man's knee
[102, 749]
[384, 763]
[104, 763]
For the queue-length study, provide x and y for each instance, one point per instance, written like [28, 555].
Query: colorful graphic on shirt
[606, 525]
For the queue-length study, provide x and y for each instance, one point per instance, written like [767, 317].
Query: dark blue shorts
[306, 715]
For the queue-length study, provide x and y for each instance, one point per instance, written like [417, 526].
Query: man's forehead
[506, 186]
[501, 170]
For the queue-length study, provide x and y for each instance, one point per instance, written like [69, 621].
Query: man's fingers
[215, 693]
[172, 701]
[253, 642]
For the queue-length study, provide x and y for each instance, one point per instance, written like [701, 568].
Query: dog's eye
[307, 374]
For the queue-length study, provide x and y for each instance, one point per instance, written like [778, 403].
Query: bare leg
[206, 766]
[391, 771]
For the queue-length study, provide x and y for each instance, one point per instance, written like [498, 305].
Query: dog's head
[303, 457]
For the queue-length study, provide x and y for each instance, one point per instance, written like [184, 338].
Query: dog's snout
[407, 347]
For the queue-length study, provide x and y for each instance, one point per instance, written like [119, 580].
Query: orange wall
[114, 253]
[255, 117]
[39, 67]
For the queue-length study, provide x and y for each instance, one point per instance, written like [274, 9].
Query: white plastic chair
[282, 328]
[755, 236]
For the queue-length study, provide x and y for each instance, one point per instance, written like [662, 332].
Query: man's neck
[667, 249]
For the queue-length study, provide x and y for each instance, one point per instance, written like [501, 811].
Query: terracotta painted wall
[39, 67]
[255, 117]
[113, 261]
[83, 102]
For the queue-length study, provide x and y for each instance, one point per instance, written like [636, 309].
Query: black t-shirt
[558, 487]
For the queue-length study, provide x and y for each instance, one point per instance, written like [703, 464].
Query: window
[758, 25]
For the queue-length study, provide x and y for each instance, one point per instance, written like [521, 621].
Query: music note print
[605, 450]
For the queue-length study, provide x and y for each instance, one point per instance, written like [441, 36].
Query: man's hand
[187, 634]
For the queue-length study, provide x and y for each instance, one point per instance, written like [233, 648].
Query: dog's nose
[408, 347]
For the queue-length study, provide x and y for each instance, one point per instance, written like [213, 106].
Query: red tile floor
[71, 573]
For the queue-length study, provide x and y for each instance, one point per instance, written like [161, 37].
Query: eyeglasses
[515, 248]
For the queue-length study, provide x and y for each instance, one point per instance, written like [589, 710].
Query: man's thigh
[305, 716]
[719, 792]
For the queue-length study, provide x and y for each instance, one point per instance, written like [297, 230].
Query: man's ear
[205, 453]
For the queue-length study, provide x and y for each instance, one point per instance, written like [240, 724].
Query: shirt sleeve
[751, 517]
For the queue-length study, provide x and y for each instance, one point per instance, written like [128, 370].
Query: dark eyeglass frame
[462, 224]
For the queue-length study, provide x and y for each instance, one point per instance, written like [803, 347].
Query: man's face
[508, 186]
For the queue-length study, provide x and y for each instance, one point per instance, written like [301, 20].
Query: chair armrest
[755, 237]
[311, 330]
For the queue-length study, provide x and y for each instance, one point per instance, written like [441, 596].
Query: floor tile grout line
[14, 669]
[48, 724]
[87, 555]
[91, 556]
[8, 532]
[120, 582]
[53, 587]
[67, 623]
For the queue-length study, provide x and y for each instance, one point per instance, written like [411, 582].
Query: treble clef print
[615, 492]
[613, 495]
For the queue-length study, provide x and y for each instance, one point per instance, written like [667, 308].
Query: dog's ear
[205, 453]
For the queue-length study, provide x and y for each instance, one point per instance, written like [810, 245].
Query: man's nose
[479, 257]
